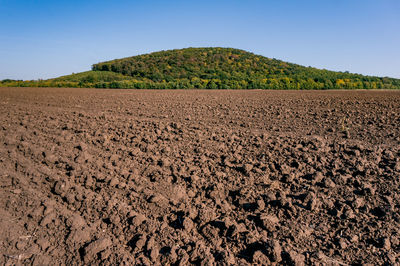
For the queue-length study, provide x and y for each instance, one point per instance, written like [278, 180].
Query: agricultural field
[204, 177]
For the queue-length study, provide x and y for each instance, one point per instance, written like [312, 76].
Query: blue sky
[44, 39]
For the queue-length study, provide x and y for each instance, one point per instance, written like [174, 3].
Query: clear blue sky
[44, 39]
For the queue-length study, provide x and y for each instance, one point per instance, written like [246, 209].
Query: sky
[45, 39]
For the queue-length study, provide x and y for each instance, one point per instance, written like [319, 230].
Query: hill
[214, 68]
[92, 76]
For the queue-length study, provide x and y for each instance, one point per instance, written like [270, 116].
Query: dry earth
[205, 177]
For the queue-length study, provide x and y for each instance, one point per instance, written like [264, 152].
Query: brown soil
[205, 177]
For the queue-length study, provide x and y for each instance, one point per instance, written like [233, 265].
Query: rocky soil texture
[199, 177]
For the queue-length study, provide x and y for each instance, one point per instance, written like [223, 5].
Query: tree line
[210, 68]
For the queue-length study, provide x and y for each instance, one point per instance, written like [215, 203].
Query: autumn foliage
[211, 68]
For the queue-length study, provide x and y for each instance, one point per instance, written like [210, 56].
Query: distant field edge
[192, 89]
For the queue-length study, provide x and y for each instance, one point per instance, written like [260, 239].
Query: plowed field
[199, 177]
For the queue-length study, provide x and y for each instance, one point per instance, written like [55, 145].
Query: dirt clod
[95, 247]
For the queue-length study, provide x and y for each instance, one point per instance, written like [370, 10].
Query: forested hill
[210, 68]
[228, 68]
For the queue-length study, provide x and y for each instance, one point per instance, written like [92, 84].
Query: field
[91, 176]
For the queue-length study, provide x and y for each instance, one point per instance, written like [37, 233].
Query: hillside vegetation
[83, 79]
[211, 68]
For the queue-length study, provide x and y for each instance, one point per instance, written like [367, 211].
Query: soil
[199, 177]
